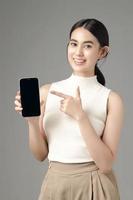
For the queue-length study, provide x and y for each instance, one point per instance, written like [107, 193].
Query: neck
[83, 81]
[83, 74]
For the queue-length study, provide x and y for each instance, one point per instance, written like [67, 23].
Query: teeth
[79, 61]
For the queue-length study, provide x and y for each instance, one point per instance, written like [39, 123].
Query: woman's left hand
[71, 105]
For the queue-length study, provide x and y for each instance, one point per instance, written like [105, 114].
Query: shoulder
[44, 91]
[115, 101]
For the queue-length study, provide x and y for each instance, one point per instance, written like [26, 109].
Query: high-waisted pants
[80, 181]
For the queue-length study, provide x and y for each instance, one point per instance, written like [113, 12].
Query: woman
[79, 127]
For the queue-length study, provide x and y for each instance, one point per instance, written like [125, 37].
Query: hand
[17, 102]
[70, 105]
[18, 108]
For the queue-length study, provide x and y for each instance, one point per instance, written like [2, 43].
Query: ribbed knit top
[66, 143]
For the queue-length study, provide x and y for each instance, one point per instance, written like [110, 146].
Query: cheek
[70, 53]
[91, 54]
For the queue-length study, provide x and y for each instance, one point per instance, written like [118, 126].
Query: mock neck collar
[88, 81]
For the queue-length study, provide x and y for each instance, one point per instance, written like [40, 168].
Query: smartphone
[30, 97]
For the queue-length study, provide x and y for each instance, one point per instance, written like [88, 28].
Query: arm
[104, 150]
[37, 137]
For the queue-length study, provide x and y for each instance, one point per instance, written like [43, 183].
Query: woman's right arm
[37, 137]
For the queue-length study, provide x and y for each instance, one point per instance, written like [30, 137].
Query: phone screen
[30, 97]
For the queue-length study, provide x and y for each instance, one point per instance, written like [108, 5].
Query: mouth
[79, 61]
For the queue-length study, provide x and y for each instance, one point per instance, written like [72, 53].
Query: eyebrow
[88, 41]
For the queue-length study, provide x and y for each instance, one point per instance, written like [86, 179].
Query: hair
[99, 30]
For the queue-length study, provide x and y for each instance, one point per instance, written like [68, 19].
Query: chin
[80, 68]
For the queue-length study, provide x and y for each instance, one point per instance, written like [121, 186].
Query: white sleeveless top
[65, 141]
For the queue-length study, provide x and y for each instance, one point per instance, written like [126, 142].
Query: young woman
[80, 123]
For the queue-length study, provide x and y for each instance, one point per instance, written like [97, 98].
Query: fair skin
[80, 50]
[82, 59]
[37, 137]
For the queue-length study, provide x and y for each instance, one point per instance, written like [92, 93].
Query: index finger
[59, 94]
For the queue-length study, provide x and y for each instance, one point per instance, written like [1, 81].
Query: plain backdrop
[33, 40]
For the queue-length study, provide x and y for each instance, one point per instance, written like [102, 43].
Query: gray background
[33, 37]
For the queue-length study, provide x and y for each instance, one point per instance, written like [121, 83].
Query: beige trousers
[80, 181]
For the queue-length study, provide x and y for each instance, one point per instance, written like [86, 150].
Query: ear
[103, 52]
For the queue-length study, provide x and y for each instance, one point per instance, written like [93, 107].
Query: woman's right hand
[18, 108]
[17, 102]
[37, 139]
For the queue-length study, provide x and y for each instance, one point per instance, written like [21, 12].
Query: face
[83, 52]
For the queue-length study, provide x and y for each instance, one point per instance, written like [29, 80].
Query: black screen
[30, 99]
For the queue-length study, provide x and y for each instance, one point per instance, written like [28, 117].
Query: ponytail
[99, 74]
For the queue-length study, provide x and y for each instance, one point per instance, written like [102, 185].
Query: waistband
[72, 168]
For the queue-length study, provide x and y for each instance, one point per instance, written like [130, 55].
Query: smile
[79, 61]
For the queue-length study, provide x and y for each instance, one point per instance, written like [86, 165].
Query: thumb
[78, 92]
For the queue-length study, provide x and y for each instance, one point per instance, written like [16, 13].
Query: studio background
[33, 40]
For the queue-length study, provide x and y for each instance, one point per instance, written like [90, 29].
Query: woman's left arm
[103, 150]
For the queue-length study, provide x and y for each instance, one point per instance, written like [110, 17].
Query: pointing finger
[59, 94]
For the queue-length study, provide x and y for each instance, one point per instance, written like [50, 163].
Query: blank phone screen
[30, 99]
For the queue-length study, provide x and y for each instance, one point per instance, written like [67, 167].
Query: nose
[79, 51]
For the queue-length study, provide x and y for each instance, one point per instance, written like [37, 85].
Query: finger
[17, 103]
[17, 97]
[18, 109]
[59, 94]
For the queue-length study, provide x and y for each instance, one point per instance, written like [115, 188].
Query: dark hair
[98, 29]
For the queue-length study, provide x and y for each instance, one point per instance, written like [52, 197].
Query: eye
[73, 44]
[88, 46]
